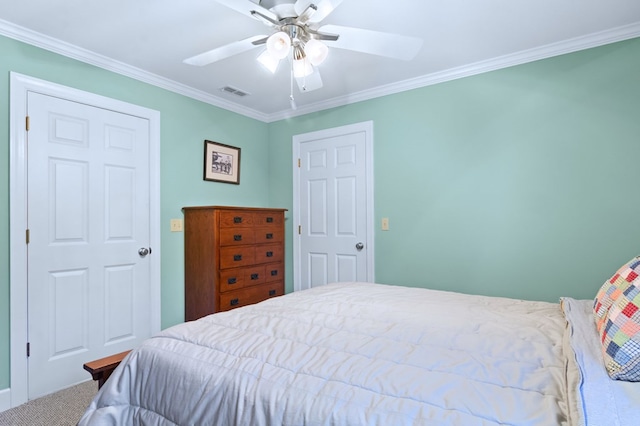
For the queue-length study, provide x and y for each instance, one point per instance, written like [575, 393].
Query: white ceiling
[149, 39]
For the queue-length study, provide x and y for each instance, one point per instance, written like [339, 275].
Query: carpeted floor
[62, 408]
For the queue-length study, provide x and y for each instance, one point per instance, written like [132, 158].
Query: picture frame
[221, 162]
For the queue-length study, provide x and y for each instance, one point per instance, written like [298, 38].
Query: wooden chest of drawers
[234, 256]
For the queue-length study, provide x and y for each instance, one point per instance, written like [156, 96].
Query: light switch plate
[176, 225]
[385, 223]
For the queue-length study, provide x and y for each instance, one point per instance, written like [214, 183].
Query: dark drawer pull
[269, 220]
[274, 273]
[269, 254]
[272, 292]
[237, 219]
[269, 236]
[232, 280]
[237, 237]
[255, 276]
[234, 302]
[237, 257]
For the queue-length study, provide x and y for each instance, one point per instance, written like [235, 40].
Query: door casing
[20, 85]
[367, 128]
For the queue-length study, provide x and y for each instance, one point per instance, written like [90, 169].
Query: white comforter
[350, 354]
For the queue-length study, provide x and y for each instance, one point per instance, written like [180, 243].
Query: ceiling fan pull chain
[304, 76]
[292, 101]
[304, 66]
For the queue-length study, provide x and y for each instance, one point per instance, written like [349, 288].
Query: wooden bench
[102, 368]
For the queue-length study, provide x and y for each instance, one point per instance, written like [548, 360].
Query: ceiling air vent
[233, 91]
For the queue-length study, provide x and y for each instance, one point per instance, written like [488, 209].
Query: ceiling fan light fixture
[301, 68]
[268, 61]
[316, 51]
[300, 65]
[278, 44]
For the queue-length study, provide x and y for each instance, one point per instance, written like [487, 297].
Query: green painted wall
[185, 124]
[521, 182]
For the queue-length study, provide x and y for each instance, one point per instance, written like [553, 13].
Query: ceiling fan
[297, 33]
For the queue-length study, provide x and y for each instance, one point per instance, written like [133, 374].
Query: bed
[372, 354]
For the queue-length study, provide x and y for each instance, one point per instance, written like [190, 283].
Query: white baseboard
[5, 399]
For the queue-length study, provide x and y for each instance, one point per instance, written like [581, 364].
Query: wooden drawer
[234, 257]
[268, 253]
[237, 236]
[233, 279]
[250, 295]
[236, 219]
[267, 219]
[274, 272]
[269, 235]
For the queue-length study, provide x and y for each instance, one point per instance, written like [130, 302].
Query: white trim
[19, 87]
[5, 399]
[601, 38]
[60, 47]
[367, 128]
[17, 250]
[543, 52]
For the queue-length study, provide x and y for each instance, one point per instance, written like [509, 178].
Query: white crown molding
[51, 44]
[555, 49]
[568, 46]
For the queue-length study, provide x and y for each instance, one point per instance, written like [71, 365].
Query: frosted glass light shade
[301, 68]
[278, 45]
[316, 51]
[268, 61]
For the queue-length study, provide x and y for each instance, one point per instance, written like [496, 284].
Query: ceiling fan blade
[225, 51]
[325, 7]
[245, 7]
[375, 42]
[311, 82]
[266, 19]
[305, 15]
[323, 36]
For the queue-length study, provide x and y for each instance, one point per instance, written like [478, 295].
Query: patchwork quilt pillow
[613, 288]
[621, 336]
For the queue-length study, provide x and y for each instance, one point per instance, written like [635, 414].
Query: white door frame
[367, 128]
[20, 86]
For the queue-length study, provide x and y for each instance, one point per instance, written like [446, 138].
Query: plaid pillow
[613, 288]
[621, 336]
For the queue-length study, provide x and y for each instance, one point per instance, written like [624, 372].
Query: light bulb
[316, 51]
[278, 45]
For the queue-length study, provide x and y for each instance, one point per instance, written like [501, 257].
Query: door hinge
[28, 349]
[299, 229]
[298, 163]
[28, 236]
[27, 124]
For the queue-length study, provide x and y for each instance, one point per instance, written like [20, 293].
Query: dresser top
[258, 209]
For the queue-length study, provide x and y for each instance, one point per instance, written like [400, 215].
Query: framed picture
[221, 162]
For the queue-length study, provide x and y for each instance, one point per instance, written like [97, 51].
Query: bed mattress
[353, 354]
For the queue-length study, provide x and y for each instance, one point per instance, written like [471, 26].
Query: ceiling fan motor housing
[296, 32]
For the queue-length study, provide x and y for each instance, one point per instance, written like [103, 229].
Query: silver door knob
[359, 246]
[144, 251]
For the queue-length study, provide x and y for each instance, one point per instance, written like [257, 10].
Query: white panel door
[88, 215]
[335, 242]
